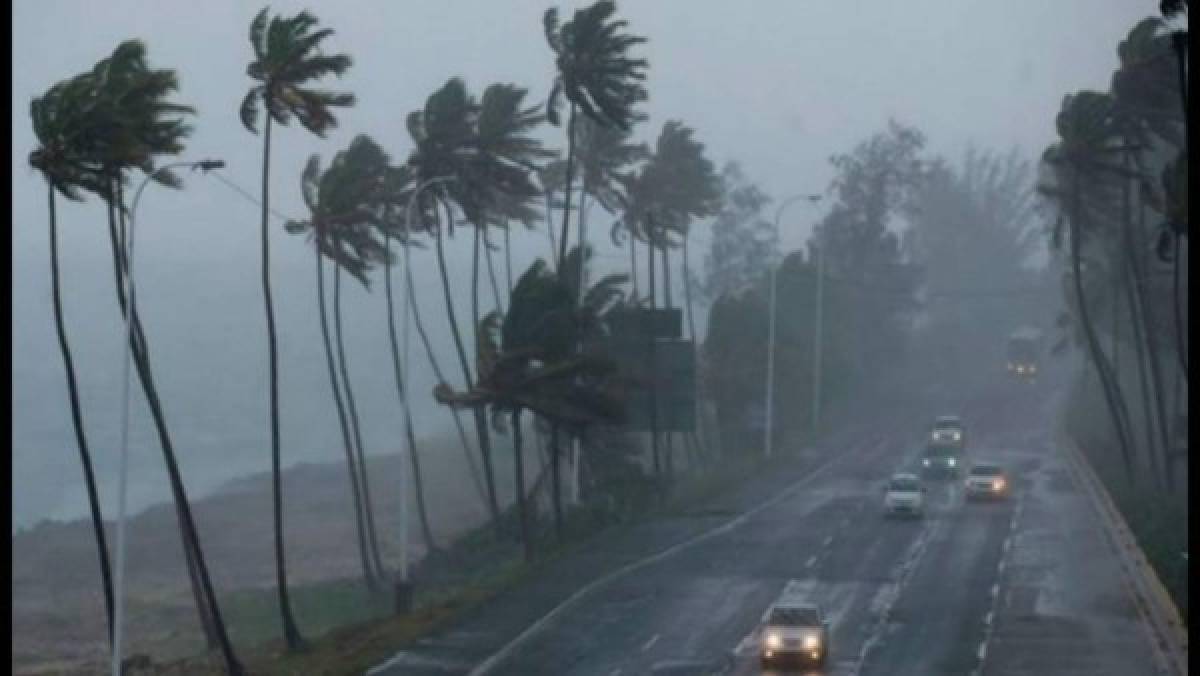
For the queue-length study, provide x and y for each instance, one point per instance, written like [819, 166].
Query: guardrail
[1149, 594]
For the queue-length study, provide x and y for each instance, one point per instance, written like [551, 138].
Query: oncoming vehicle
[795, 630]
[948, 430]
[987, 481]
[904, 494]
[1023, 354]
[942, 460]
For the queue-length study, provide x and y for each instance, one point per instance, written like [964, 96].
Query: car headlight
[925, 462]
[950, 462]
[774, 642]
[998, 485]
[958, 436]
[812, 642]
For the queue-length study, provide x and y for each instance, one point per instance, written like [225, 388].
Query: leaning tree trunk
[555, 482]
[485, 447]
[519, 480]
[550, 231]
[1110, 394]
[368, 571]
[437, 372]
[291, 633]
[562, 241]
[367, 506]
[508, 260]
[85, 456]
[141, 359]
[409, 434]
[633, 266]
[653, 372]
[491, 268]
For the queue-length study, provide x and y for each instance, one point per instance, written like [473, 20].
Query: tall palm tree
[287, 57]
[443, 133]
[596, 75]
[128, 121]
[1083, 166]
[329, 211]
[57, 119]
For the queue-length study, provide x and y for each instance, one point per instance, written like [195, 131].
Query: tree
[596, 75]
[742, 239]
[126, 121]
[287, 57]
[444, 133]
[58, 116]
[1082, 165]
[341, 200]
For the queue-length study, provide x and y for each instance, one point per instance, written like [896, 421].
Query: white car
[904, 494]
[987, 481]
[795, 630]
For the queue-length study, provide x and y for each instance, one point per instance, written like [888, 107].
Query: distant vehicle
[795, 630]
[942, 460]
[987, 481]
[1023, 349]
[904, 494]
[948, 431]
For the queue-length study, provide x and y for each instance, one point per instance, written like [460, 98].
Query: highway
[1024, 586]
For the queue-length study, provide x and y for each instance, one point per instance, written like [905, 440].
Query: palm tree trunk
[369, 576]
[550, 232]
[555, 482]
[633, 266]
[491, 268]
[1139, 343]
[485, 448]
[291, 633]
[85, 456]
[201, 590]
[367, 506]
[508, 260]
[437, 372]
[410, 436]
[519, 481]
[562, 242]
[653, 372]
[1111, 393]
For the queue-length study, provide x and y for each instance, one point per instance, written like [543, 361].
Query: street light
[403, 588]
[122, 481]
[771, 322]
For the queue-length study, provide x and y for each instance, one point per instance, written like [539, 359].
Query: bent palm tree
[596, 75]
[286, 57]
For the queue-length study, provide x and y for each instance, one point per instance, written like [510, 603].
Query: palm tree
[286, 58]
[443, 133]
[335, 204]
[595, 74]
[125, 121]
[56, 117]
[1083, 168]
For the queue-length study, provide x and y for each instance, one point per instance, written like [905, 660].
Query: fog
[777, 86]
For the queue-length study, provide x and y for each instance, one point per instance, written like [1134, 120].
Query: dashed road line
[812, 560]
[828, 539]
[648, 644]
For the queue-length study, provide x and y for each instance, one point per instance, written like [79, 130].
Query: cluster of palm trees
[474, 162]
[1118, 174]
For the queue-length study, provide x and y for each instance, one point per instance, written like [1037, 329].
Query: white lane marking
[811, 561]
[982, 652]
[987, 619]
[496, 657]
[1000, 568]
[995, 590]
[653, 639]
[827, 540]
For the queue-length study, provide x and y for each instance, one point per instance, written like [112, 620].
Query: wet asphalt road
[1023, 586]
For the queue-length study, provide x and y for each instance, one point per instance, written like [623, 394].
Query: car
[948, 431]
[987, 481]
[904, 494]
[797, 631]
[940, 461]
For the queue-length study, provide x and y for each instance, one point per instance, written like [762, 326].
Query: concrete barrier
[1149, 594]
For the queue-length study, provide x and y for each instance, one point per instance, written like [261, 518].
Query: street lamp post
[403, 587]
[771, 326]
[126, 348]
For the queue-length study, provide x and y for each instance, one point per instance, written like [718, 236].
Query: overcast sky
[776, 85]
